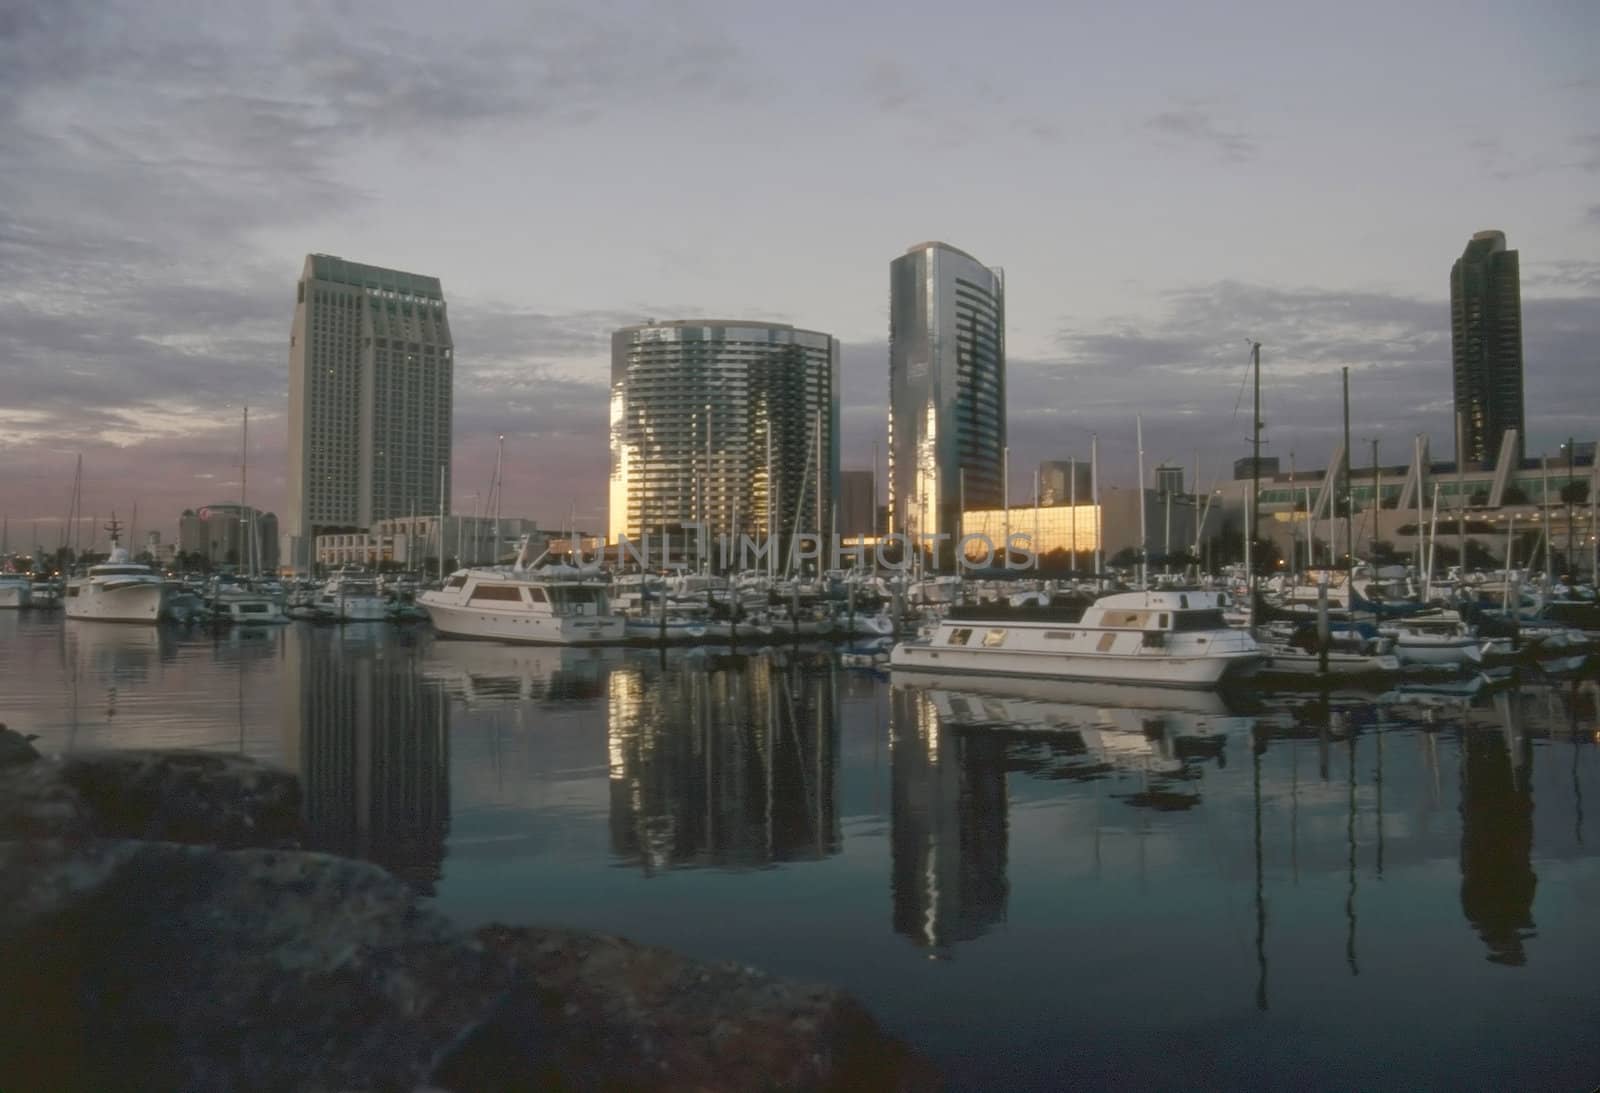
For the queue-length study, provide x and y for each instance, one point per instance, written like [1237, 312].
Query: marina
[1279, 882]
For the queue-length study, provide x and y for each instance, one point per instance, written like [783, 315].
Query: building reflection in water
[370, 737]
[731, 766]
[1497, 878]
[953, 746]
[947, 825]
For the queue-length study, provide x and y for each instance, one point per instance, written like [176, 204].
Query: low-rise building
[414, 542]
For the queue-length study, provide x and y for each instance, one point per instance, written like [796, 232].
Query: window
[994, 638]
[959, 637]
[537, 595]
[496, 592]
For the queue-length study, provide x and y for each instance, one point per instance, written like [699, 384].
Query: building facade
[858, 508]
[1065, 481]
[221, 533]
[415, 542]
[947, 388]
[723, 424]
[371, 370]
[1486, 347]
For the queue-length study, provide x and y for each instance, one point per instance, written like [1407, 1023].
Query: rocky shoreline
[161, 927]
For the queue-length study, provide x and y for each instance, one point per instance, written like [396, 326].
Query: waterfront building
[371, 367]
[414, 541]
[1486, 348]
[1507, 495]
[221, 534]
[1064, 481]
[1267, 465]
[723, 423]
[1112, 526]
[1169, 480]
[947, 388]
[858, 508]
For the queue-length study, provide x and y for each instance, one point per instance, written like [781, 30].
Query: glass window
[959, 637]
[993, 638]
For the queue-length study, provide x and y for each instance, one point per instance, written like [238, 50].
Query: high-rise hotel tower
[1486, 346]
[370, 373]
[947, 388]
[723, 424]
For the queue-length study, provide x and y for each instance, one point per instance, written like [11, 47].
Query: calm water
[1036, 886]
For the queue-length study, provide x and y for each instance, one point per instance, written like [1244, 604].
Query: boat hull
[142, 602]
[522, 627]
[15, 596]
[1145, 670]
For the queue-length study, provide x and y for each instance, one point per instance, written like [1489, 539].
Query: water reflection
[954, 741]
[482, 674]
[729, 762]
[369, 735]
[1497, 878]
[948, 816]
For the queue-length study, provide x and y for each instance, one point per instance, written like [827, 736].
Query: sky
[1160, 183]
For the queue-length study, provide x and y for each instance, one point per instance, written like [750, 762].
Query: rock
[135, 965]
[15, 748]
[172, 796]
[607, 1013]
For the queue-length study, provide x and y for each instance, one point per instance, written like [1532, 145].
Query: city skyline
[1158, 186]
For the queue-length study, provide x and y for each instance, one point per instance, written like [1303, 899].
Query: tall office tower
[858, 508]
[947, 388]
[370, 373]
[700, 410]
[1486, 346]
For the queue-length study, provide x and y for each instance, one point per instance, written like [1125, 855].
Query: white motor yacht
[1169, 638]
[117, 590]
[352, 598]
[556, 605]
[16, 590]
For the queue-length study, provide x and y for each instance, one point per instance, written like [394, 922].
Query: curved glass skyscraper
[696, 405]
[947, 387]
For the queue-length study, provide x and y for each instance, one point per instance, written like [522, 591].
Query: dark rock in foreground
[157, 966]
[171, 796]
[131, 961]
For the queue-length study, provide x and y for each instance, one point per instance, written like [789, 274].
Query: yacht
[555, 605]
[117, 590]
[16, 590]
[351, 597]
[1168, 638]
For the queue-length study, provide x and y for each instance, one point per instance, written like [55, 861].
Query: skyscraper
[1062, 481]
[1486, 346]
[696, 405]
[370, 374]
[947, 387]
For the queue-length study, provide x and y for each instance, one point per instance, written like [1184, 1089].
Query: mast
[1344, 477]
[1416, 458]
[441, 522]
[1377, 496]
[1549, 569]
[1094, 494]
[1254, 523]
[1005, 494]
[495, 490]
[244, 494]
[1461, 497]
[771, 502]
[1072, 492]
[1144, 540]
[1035, 543]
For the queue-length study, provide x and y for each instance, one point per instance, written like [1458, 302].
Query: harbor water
[1036, 885]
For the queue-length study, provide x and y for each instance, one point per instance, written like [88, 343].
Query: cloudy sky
[1159, 183]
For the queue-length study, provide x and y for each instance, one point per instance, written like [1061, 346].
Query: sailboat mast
[244, 496]
[495, 490]
[1094, 496]
[1138, 427]
[1344, 492]
[441, 521]
[1255, 478]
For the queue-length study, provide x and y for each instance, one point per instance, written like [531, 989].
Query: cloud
[1196, 125]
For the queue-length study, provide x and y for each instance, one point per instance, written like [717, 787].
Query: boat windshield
[120, 571]
[1209, 619]
[578, 599]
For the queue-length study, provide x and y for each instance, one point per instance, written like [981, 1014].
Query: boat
[46, 593]
[1292, 662]
[241, 608]
[16, 590]
[553, 605]
[1168, 638]
[117, 590]
[351, 597]
[1447, 645]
